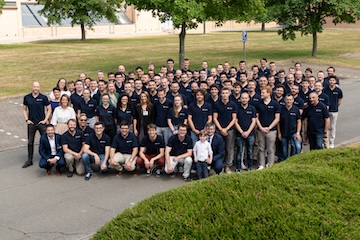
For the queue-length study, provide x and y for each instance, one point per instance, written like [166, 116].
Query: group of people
[182, 120]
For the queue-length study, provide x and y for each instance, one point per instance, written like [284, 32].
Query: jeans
[201, 169]
[316, 141]
[294, 143]
[241, 143]
[194, 137]
[31, 129]
[87, 160]
[164, 132]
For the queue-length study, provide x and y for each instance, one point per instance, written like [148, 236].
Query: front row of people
[78, 152]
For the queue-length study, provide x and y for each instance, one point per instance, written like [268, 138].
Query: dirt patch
[351, 55]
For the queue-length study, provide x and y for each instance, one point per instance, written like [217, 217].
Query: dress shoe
[70, 174]
[48, 172]
[58, 172]
[27, 163]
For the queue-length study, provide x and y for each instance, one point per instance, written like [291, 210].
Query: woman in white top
[61, 84]
[62, 114]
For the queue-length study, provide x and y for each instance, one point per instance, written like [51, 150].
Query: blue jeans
[194, 137]
[294, 143]
[87, 160]
[241, 143]
[201, 169]
[316, 141]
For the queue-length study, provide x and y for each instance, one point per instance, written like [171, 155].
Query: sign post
[244, 39]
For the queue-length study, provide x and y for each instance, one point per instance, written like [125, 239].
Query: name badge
[145, 113]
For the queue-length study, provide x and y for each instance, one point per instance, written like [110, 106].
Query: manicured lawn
[47, 61]
[314, 195]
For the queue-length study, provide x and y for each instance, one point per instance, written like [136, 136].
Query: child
[202, 155]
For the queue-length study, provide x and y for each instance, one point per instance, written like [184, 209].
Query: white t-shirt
[61, 115]
[52, 97]
[202, 150]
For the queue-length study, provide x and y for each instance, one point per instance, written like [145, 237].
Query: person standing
[36, 117]
[335, 96]
[202, 155]
[106, 113]
[62, 114]
[50, 151]
[217, 146]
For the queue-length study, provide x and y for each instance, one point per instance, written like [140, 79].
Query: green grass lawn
[314, 195]
[47, 61]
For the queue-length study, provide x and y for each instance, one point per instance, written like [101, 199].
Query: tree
[2, 3]
[81, 12]
[187, 14]
[309, 16]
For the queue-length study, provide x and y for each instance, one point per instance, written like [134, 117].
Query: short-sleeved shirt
[245, 117]
[36, 107]
[126, 115]
[75, 100]
[288, 120]
[305, 96]
[202, 150]
[98, 145]
[152, 147]
[182, 115]
[87, 132]
[179, 147]
[89, 108]
[200, 114]
[107, 115]
[334, 96]
[235, 100]
[299, 103]
[124, 145]
[211, 101]
[254, 100]
[225, 112]
[161, 112]
[316, 118]
[75, 142]
[267, 112]
[324, 98]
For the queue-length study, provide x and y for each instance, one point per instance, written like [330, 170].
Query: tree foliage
[187, 14]
[2, 3]
[81, 12]
[309, 16]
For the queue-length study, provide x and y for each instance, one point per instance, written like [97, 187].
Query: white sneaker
[148, 172]
[243, 167]
[267, 165]
[261, 167]
[158, 173]
[331, 146]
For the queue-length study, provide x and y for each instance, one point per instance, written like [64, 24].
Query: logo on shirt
[271, 107]
[102, 141]
[292, 114]
[77, 136]
[249, 112]
[205, 110]
[157, 143]
[318, 110]
[110, 111]
[166, 107]
[184, 143]
[91, 105]
[39, 100]
[129, 141]
[229, 108]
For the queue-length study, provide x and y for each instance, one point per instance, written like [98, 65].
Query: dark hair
[151, 125]
[56, 89]
[124, 123]
[57, 85]
[50, 126]
[118, 105]
[98, 123]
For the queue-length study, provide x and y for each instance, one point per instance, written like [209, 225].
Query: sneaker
[88, 176]
[158, 173]
[261, 167]
[192, 171]
[181, 169]
[187, 179]
[243, 167]
[267, 165]
[148, 172]
[173, 174]
[227, 170]
[331, 146]
[70, 174]
[238, 170]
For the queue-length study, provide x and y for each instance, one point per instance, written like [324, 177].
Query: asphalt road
[35, 206]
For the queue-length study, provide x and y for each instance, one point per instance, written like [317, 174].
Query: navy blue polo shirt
[179, 147]
[152, 147]
[245, 117]
[134, 98]
[267, 112]
[200, 114]
[334, 96]
[264, 72]
[288, 120]
[124, 145]
[186, 91]
[190, 99]
[119, 90]
[97, 97]
[324, 98]
[281, 102]
[106, 116]
[212, 102]
[170, 96]
[75, 142]
[87, 132]
[299, 103]
[254, 100]
[75, 100]
[36, 107]
[305, 96]
[225, 112]
[126, 115]
[183, 114]
[161, 112]
[98, 145]
[316, 115]
[88, 108]
[235, 100]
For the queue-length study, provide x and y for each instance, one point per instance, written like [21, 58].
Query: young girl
[202, 155]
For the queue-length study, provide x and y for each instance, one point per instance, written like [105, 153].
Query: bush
[309, 196]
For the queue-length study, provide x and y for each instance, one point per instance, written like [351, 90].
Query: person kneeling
[202, 155]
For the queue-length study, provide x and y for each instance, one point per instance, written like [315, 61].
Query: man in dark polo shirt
[124, 149]
[289, 127]
[200, 113]
[162, 107]
[316, 122]
[35, 116]
[73, 147]
[96, 150]
[82, 125]
[178, 151]
[88, 106]
[246, 122]
[152, 149]
[335, 96]
[76, 97]
[267, 117]
[224, 119]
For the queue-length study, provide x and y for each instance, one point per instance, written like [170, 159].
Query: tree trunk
[204, 30]
[82, 32]
[182, 45]
[314, 48]
[263, 26]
